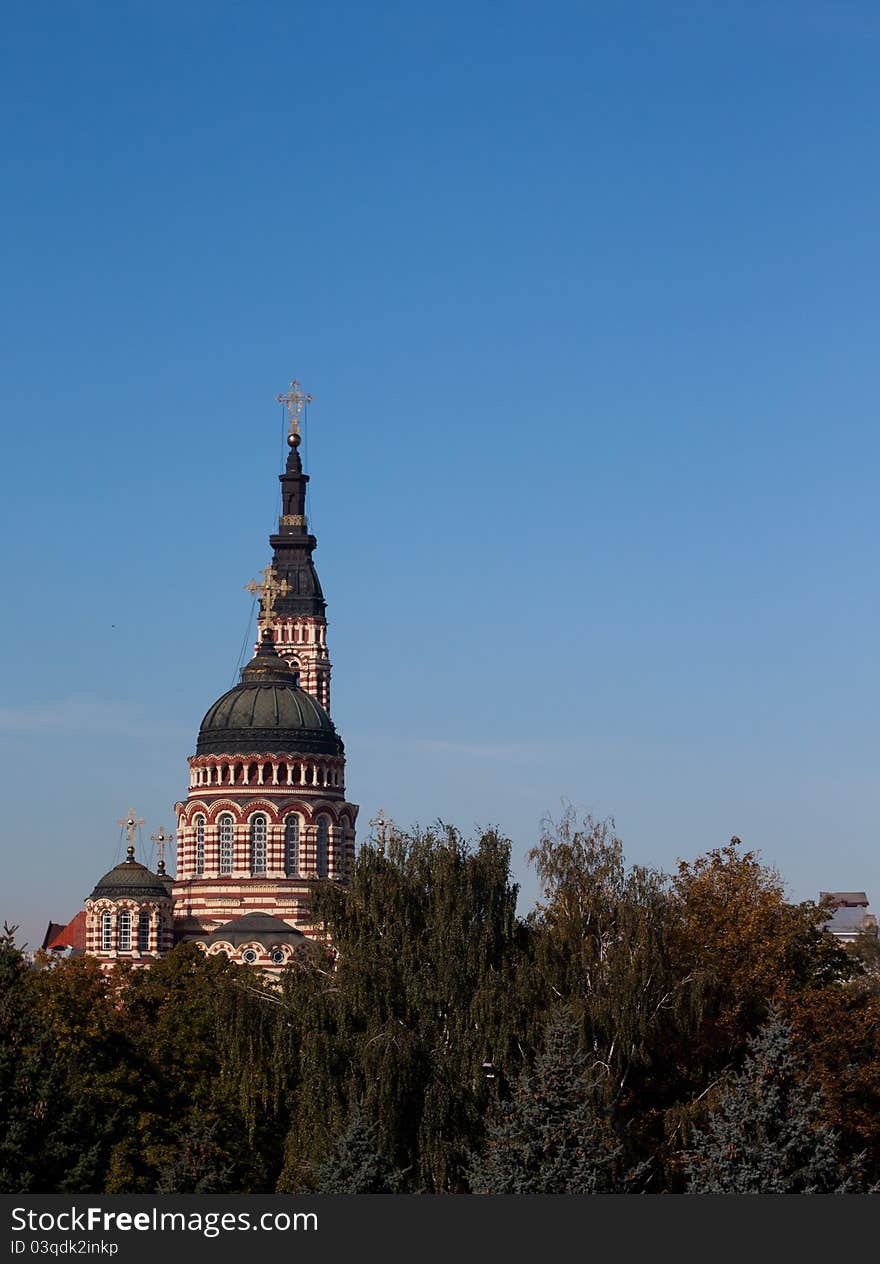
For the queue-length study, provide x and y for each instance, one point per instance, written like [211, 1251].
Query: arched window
[227, 826]
[123, 931]
[291, 846]
[200, 844]
[106, 932]
[144, 932]
[258, 844]
[322, 848]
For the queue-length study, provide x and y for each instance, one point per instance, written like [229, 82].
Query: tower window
[291, 846]
[123, 931]
[322, 840]
[227, 835]
[144, 932]
[258, 844]
[249, 956]
[106, 932]
[200, 844]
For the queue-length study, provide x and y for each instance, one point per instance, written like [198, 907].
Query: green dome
[267, 713]
[132, 880]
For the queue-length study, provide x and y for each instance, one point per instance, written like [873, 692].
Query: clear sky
[586, 294]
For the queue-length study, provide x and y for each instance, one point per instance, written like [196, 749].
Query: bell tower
[266, 820]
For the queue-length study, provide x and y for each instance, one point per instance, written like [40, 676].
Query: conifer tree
[357, 1165]
[199, 1163]
[546, 1138]
[763, 1136]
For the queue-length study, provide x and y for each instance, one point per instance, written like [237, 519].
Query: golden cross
[293, 400]
[382, 825]
[160, 840]
[269, 590]
[130, 824]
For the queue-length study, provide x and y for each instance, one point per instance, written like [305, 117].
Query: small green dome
[267, 712]
[131, 880]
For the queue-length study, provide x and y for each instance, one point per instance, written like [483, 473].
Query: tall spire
[292, 544]
[298, 615]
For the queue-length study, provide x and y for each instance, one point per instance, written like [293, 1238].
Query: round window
[249, 956]
[277, 956]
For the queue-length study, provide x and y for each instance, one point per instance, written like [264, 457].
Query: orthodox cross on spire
[293, 400]
[269, 590]
[383, 825]
[160, 840]
[130, 824]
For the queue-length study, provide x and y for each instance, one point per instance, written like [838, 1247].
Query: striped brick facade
[315, 812]
[302, 641]
[141, 950]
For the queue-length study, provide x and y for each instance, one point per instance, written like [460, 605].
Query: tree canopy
[613, 1039]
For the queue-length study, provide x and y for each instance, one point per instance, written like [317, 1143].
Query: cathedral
[265, 819]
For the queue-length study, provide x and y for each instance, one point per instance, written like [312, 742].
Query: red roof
[54, 929]
[73, 935]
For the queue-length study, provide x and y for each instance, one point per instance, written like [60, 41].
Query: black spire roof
[293, 546]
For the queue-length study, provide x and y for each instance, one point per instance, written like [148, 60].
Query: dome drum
[251, 771]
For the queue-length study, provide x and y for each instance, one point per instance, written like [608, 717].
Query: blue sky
[587, 298]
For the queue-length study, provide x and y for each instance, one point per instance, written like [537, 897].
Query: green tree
[356, 1164]
[546, 1139]
[427, 987]
[50, 1140]
[764, 1134]
[199, 1162]
[605, 945]
[211, 1115]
